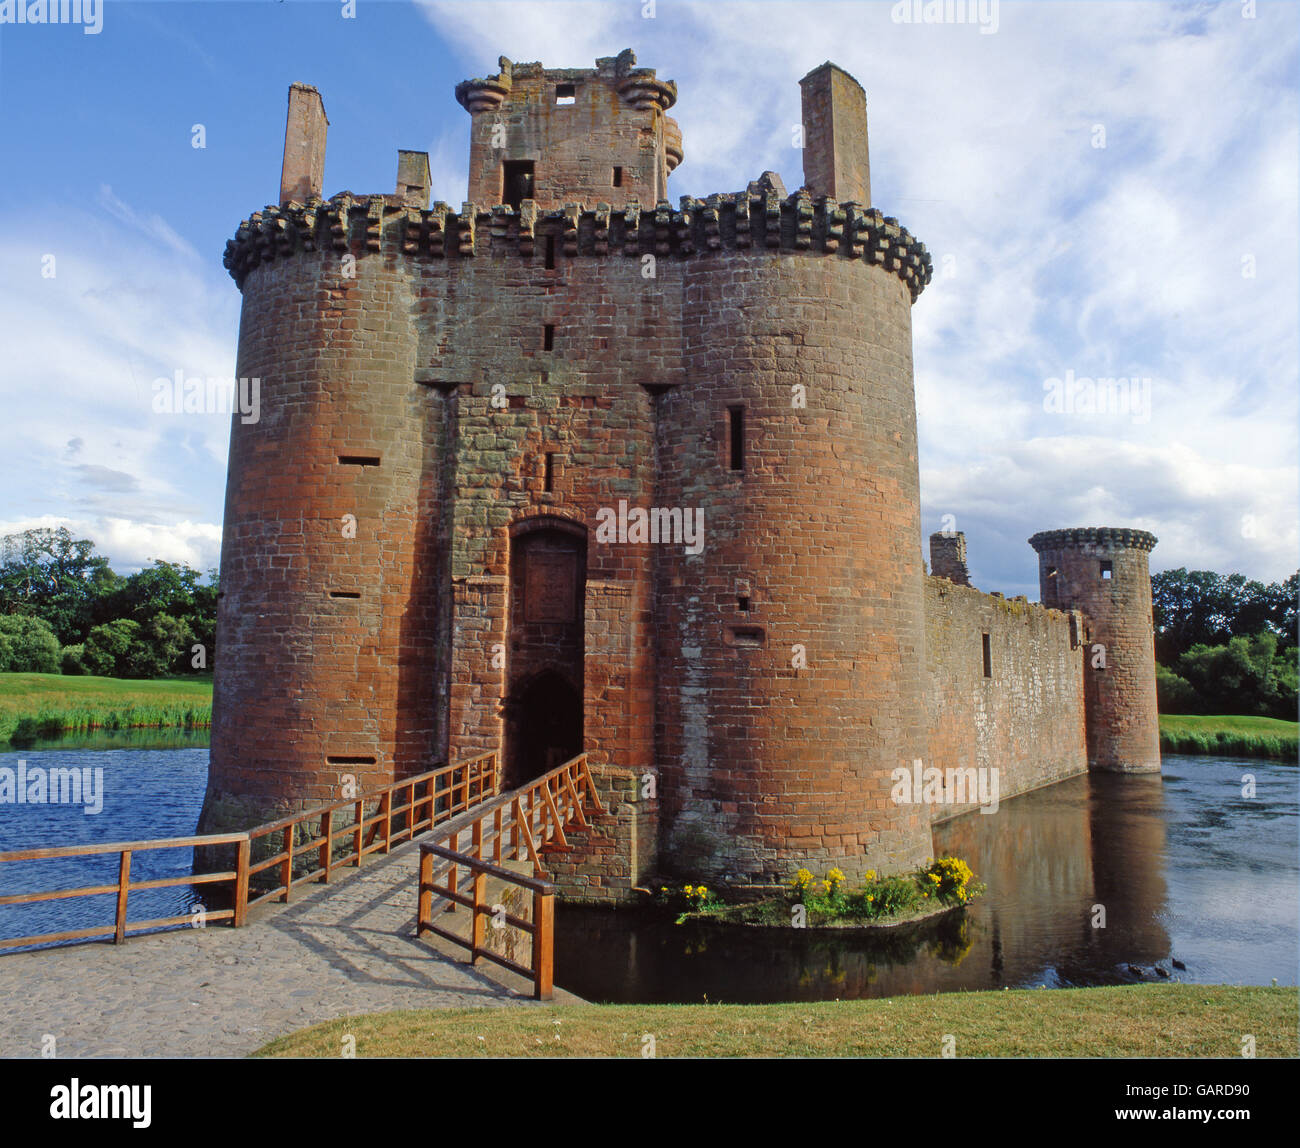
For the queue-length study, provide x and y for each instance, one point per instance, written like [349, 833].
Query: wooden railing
[516, 828]
[425, 800]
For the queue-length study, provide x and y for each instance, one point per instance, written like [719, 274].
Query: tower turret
[1104, 572]
[571, 135]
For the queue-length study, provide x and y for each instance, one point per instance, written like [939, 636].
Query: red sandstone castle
[463, 521]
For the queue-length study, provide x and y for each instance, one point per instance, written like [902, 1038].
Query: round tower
[1105, 573]
[792, 648]
[331, 515]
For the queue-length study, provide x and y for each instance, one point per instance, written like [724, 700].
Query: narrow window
[1106, 570]
[988, 657]
[1051, 571]
[349, 759]
[736, 421]
[618, 177]
[548, 337]
[550, 253]
[345, 594]
[358, 460]
[742, 604]
[548, 480]
[565, 94]
[516, 181]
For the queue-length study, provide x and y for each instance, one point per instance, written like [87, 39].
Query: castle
[568, 469]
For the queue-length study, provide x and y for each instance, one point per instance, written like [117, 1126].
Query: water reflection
[1182, 866]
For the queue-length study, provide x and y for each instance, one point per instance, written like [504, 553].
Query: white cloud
[129, 301]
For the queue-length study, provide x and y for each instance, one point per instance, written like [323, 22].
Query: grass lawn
[1127, 1021]
[1230, 735]
[42, 705]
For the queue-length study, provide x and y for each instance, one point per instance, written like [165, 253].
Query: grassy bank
[1229, 735]
[45, 705]
[1133, 1020]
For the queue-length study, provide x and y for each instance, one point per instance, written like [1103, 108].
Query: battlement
[1104, 536]
[638, 86]
[757, 218]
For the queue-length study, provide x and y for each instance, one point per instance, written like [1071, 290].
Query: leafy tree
[1200, 607]
[107, 647]
[29, 647]
[71, 661]
[49, 574]
[1240, 677]
[1174, 694]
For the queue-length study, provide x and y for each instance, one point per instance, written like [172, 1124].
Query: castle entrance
[545, 648]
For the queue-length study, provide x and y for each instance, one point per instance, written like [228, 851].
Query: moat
[1186, 868]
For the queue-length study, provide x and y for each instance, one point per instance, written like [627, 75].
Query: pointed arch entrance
[545, 647]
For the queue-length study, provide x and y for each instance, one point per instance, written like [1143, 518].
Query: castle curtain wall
[1026, 719]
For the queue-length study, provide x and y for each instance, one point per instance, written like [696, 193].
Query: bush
[70, 660]
[107, 648]
[29, 646]
[1174, 694]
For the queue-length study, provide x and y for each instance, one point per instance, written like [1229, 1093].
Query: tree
[1241, 677]
[49, 574]
[108, 646]
[1200, 607]
[30, 646]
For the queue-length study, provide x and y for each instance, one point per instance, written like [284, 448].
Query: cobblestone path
[335, 950]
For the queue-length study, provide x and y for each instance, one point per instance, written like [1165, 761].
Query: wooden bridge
[471, 832]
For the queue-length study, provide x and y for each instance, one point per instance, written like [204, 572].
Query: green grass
[1128, 1021]
[1230, 735]
[46, 705]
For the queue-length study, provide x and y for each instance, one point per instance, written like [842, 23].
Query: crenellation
[721, 222]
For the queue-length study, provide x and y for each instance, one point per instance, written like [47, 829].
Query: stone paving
[334, 950]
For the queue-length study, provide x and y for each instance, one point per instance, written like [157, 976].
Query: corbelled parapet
[1093, 535]
[755, 218]
[485, 94]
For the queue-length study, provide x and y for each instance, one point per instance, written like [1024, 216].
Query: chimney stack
[413, 178]
[303, 173]
[835, 159]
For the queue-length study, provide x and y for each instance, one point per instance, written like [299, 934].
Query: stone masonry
[467, 517]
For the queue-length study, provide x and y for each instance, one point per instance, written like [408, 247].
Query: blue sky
[1169, 254]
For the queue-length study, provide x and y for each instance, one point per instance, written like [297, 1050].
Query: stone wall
[619, 851]
[1027, 718]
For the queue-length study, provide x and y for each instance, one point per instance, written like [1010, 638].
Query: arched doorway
[545, 647]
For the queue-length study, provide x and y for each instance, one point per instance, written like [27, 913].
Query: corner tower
[792, 648]
[1105, 572]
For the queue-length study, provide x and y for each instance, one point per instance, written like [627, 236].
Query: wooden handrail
[478, 774]
[519, 813]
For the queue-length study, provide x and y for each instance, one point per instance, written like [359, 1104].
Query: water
[147, 793]
[1184, 866]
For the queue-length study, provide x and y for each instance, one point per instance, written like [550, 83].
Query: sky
[1108, 190]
